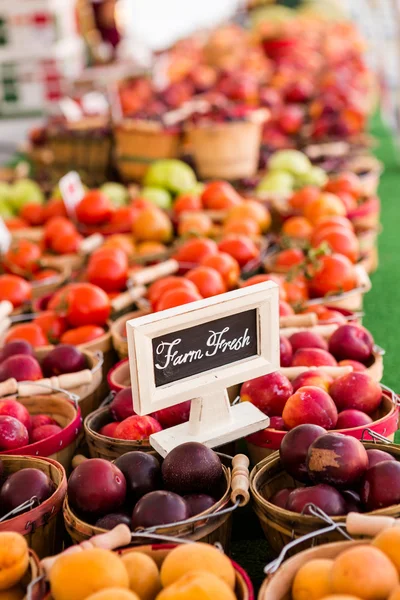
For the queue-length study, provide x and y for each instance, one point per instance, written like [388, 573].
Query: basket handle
[90, 244]
[150, 274]
[78, 459]
[358, 524]
[127, 298]
[304, 320]
[240, 480]
[5, 324]
[119, 536]
[6, 309]
[45, 386]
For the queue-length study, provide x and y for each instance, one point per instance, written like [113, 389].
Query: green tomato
[276, 181]
[171, 174]
[158, 196]
[117, 193]
[25, 191]
[293, 161]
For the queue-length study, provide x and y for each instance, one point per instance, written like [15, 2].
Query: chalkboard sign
[197, 349]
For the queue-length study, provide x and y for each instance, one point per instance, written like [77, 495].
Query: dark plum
[337, 459]
[16, 347]
[198, 503]
[142, 472]
[159, 508]
[192, 468]
[381, 485]
[294, 449]
[65, 358]
[122, 405]
[323, 496]
[113, 519]
[376, 456]
[280, 498]
[24, 485]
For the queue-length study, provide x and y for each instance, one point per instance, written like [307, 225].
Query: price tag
[5, 237]
[72, 191]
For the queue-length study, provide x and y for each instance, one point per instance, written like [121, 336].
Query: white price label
[72, 191]
[5, 237]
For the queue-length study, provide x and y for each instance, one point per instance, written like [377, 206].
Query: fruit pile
[358, 572]
[139, 492]
[189, 571]
[345, 477]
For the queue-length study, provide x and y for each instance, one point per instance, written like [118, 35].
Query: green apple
[276, 181]
[117, 193]
[171, 174]
[315, 176]
[25, 191]
[158, 196]
[293, 161]
[5, 210]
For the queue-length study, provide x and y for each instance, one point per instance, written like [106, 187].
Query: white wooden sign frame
[212, 420]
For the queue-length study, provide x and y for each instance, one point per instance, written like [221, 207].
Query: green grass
[382, 303]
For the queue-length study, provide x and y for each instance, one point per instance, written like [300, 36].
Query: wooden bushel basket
[385, 423]
[119, 377]
[214, 527]
[52, 284]
[139, 143]
[118, 332]
[42, 526]
[280, 526]
[226, 150]
[61, 446]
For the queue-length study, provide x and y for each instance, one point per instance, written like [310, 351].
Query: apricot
[388, 541]
[197, 585]
[189, 557]
[76, 576]
[114, 594]
[341, 597]
[14, 559]
[152, 225]
[312, 580]
[144, 578]
[394, 596]
[365, 571]
[14, 593]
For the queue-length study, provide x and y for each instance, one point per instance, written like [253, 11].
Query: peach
[285, 309]
[388, 541]
[121, 406]
[13, 434]
[352, 342]
[76, 576]
[14, 593]
[357, 366]
[286, 352]
[137, 428]
[352, 418]
[197, 585]
[395, 595]
[189, 557]
[39, 420]
[364, 571]
[356, 390]
[313, 357]
[312, 580]
[312, 377]
[14, 558]
[13, 408]
[109, 429]
[114, 593]
[144, 578]
[268, 392]
[277, 423]
[310, 404]
[307, 339]
[21, 367]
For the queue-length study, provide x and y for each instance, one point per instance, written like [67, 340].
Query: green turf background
[382, 312]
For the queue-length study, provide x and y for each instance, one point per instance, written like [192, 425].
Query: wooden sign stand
[195, 352]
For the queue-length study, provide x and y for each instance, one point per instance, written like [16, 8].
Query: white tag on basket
[5, 237]
[72, 191]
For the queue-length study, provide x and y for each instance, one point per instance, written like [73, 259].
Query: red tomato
[23, 255]
[187, 203]
[81, 304]
[55, 228]
[226, 265]
[14, 289]
[173, 282]
[242, 248]
[278, 279]
[55, 207]
[82, 335]
[52, 325]
[33, 213]
[220, 195]
[108, 272]
[193, 251]
[95, 208]
[31, 332]
[123, 218]
[334, 274]
[287, 259]
[66, 243]
[177, 297]
[207, 280]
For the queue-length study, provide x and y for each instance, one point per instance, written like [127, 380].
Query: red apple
[39, 420]
[268, 392]
[13, 408]
[44, 432]
[13, 434]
